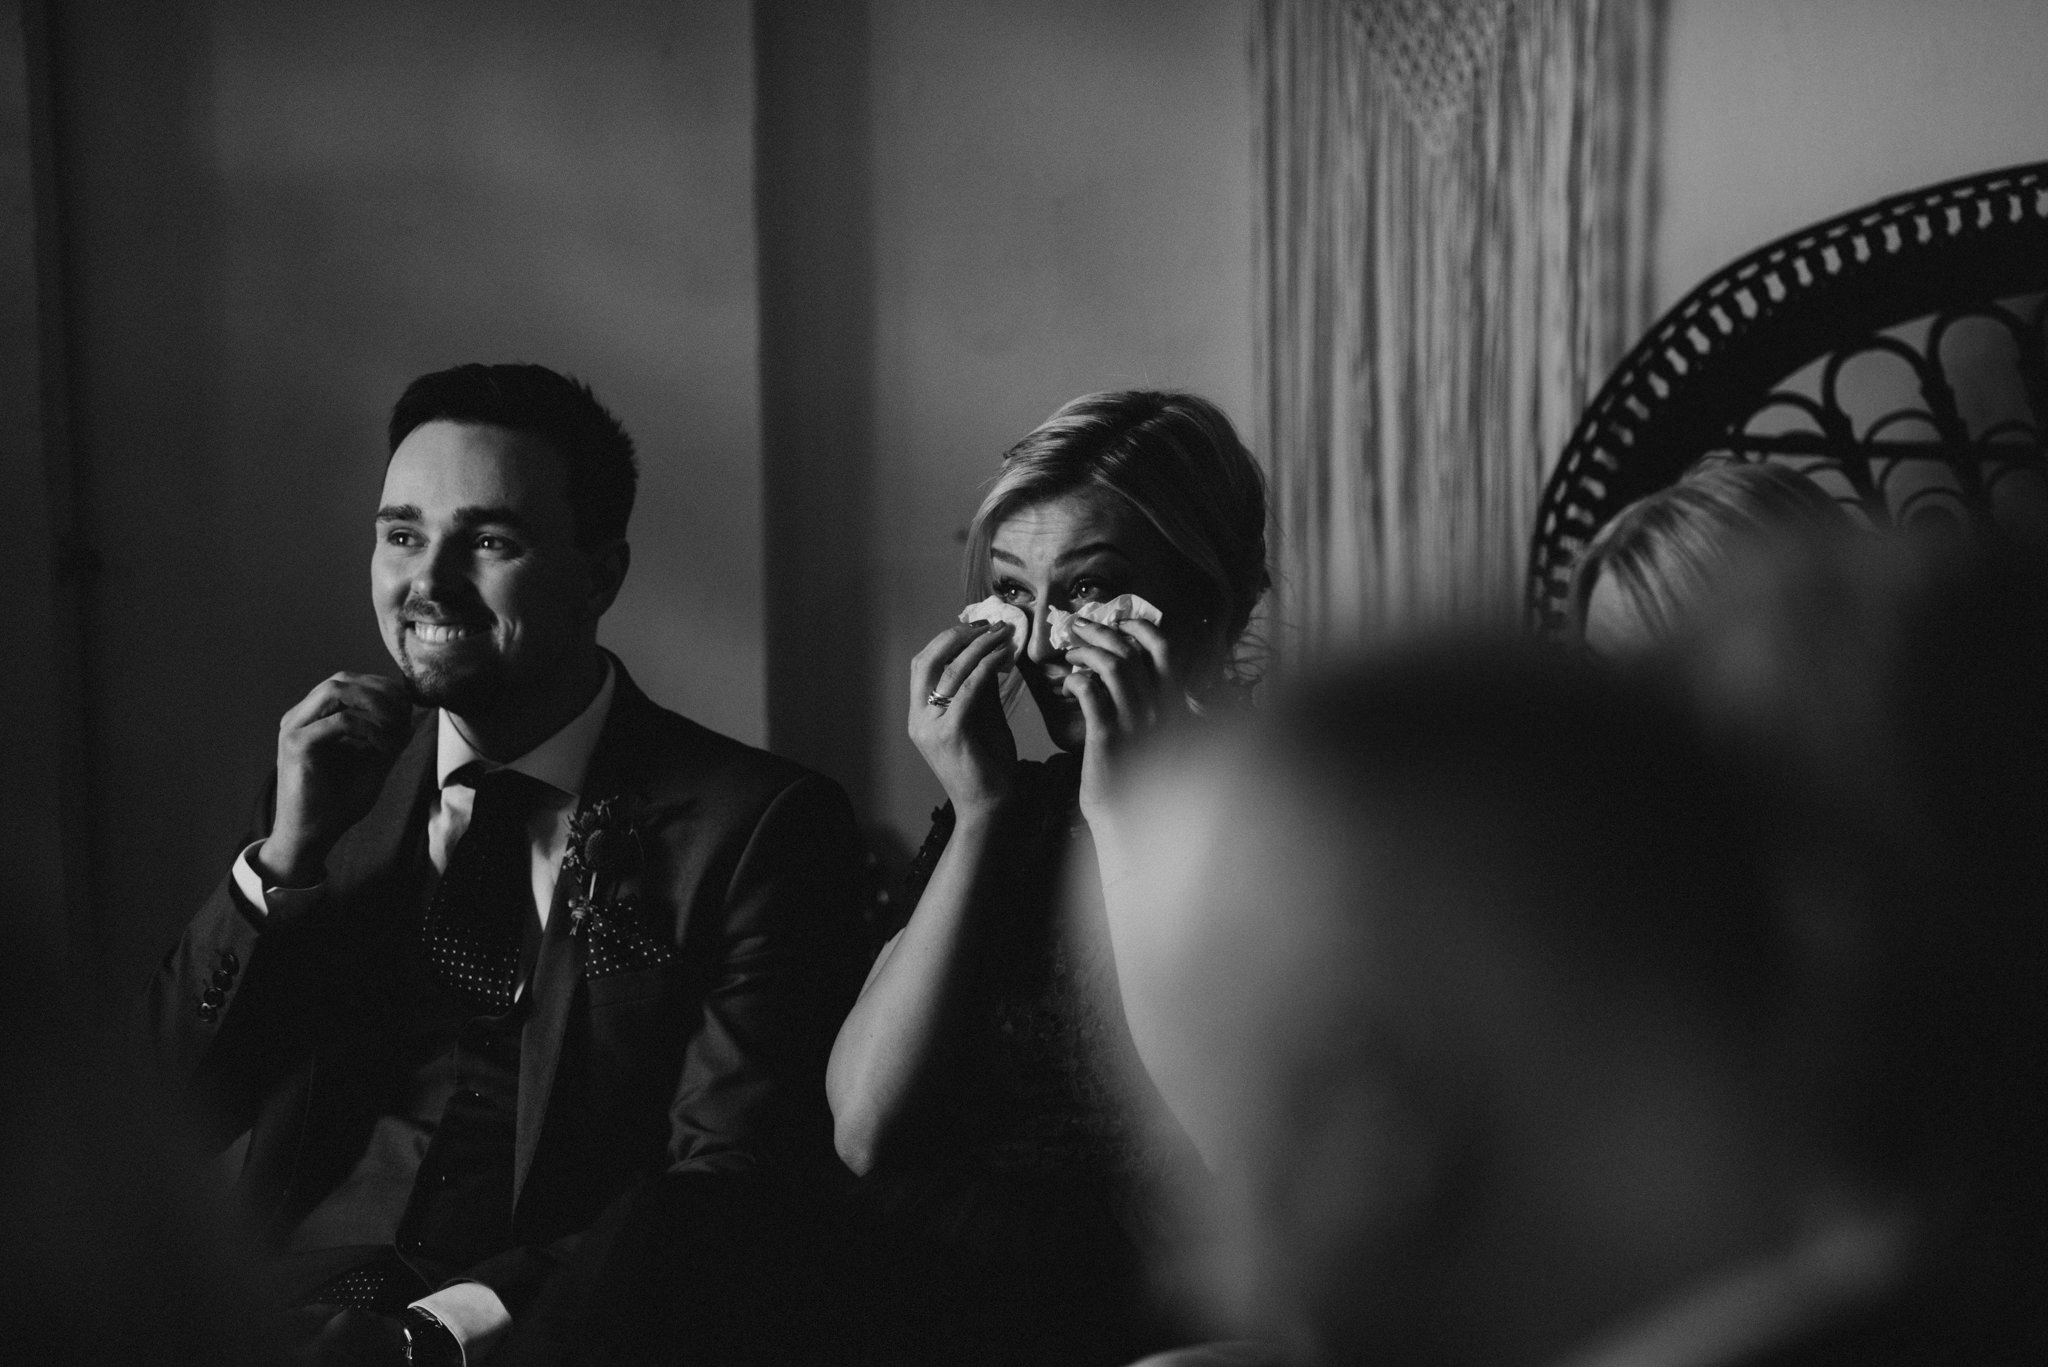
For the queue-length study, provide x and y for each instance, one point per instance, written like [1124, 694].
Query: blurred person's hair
[1176, 460]
[593, 446]
[1437, 874]
[1475, 903]
[1667, 552]
[1589, 808]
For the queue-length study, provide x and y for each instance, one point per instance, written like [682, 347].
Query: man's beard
[473, 691]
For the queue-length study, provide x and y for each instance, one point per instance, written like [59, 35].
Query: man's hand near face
[334, 751]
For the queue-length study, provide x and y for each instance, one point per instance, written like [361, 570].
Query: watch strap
[428, 1341]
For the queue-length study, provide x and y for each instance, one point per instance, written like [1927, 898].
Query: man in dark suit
[492, 979]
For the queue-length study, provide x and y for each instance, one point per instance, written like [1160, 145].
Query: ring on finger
[938, 699]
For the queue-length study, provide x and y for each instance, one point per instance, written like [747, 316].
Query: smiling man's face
[484, 600]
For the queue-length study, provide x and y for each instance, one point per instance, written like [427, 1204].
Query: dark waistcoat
[434, 1177]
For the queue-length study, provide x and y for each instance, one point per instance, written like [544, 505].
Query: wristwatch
[428, 1342]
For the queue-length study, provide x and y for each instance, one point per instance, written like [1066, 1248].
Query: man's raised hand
[334, 751]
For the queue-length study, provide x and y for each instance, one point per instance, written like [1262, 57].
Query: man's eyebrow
[495, 515]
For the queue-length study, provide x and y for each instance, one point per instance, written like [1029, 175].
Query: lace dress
[1034, 1193]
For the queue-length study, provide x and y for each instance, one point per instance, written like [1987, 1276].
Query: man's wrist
[287, 864]
[429, 1342]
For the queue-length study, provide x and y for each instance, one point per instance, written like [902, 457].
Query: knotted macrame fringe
[1452, 252]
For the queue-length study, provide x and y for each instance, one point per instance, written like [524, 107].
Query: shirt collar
[560, 761]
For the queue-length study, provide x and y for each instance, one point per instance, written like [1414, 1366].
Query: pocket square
[612, 944]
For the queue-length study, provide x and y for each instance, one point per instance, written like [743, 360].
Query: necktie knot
[501, 794]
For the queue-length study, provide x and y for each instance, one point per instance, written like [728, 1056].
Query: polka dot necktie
[476, 922]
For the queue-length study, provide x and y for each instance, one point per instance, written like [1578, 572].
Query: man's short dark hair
[559, 409]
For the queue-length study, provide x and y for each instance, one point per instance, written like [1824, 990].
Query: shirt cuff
[473, 1313]
[268, 901]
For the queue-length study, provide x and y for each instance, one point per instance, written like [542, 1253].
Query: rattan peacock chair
[1780, 357]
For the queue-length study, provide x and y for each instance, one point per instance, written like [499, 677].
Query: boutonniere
[604, 848]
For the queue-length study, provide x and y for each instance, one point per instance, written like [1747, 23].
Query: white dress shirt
[471, 1310]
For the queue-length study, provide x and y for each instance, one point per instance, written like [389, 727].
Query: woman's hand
[885, 1062]
[967, 743]
[1128, 680]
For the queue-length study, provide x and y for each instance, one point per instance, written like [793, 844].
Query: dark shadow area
[42, 791]
[141, 247]
[816, 268]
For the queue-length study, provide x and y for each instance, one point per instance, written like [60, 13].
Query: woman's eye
[1012, 592]
[1090, 591]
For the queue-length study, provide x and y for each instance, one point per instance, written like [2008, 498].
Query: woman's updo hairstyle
[1177, 460]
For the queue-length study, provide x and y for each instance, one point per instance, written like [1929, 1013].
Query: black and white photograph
[1024, 683]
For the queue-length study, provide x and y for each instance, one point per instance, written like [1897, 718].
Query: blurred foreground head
[1504, 1035]
[1901, 691]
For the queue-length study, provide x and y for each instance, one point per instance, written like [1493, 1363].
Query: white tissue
[996, 612]
[1125, 607]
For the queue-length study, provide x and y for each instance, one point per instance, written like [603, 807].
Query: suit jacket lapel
[558, 968]
[376, 847]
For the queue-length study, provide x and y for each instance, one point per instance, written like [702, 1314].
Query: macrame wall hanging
[1453, 250]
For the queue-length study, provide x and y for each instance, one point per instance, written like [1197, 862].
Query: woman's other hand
[1127, 679]
[967, 742]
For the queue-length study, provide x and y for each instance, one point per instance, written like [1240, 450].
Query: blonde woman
[977, 1078]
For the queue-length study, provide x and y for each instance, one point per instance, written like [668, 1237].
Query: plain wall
[1780, 113]
[1062, 203]
[279, 211]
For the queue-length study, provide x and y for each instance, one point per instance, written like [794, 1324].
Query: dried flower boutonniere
[604, 847]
